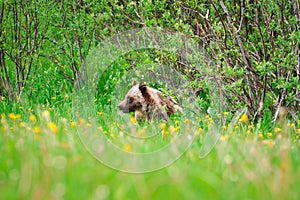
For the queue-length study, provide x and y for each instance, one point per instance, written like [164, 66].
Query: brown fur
[148, 103]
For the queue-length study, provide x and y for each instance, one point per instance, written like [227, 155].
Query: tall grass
[42, 157]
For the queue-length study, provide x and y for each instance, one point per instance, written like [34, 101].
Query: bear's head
[134, 99]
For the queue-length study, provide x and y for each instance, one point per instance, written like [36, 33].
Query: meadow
[42, 157]
[64, 66]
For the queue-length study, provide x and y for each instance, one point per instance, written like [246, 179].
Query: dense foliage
[44, 45]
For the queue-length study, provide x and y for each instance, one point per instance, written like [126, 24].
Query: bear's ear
[143, 87]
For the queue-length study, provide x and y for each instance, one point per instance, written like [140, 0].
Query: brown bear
[148, 103]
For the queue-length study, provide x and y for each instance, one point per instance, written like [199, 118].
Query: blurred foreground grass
[43, 158]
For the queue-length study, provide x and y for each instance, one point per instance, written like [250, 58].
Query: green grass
[43, 160]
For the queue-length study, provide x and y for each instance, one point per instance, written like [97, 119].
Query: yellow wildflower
[226, 113]
[298, 130]
[139, 132]
[251, 126]
[224, 127]
[88, 125]
[100, 128]
[244, 118]
[269, 134]
[200, 130]
[82, 121]
[36, 129]
[224, 137]
[162, 125]
[2, 98]
[73, 124]
[66, 96]
[22, 124]
[53, 128]
[248, 132]
[284, 166]
[32, 118]
[188, 121]
[99, 113]
[172, 129]
[277, 130]
[14, 116]
[269, 142]
[260, 136]
[127, 147]
[133, 120]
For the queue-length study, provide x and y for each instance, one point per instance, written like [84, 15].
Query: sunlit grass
[43, 157]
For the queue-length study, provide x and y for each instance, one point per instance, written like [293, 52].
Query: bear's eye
[129, 100]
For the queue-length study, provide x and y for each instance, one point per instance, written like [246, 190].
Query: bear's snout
[122, 108]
